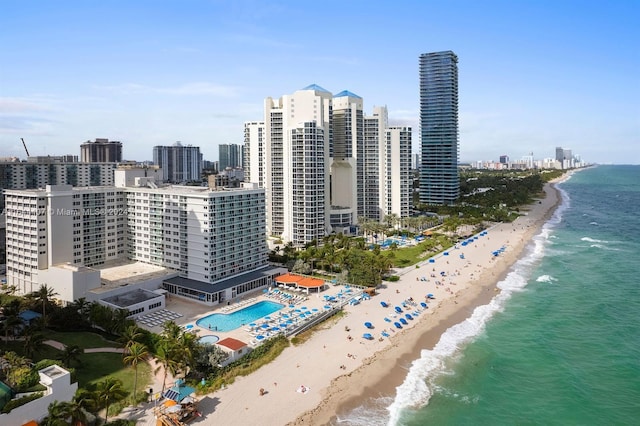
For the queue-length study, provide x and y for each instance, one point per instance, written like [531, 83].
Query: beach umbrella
[368, 325]
[367, 336]
[174, 409]
[424, 305]
[398, 309]
[446, 253]
[253, 324]
[169, 403]
[432, 261]
[265, 326]
[275, 329]
[327, 307]
[404, 321]
[408, 316]
[397, 324]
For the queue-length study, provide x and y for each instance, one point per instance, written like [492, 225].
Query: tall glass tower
[439, 182]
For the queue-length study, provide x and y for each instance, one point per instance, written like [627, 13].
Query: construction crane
[25, 147]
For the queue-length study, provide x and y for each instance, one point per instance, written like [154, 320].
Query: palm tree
[165, 357]
[108, 391]
[137, 352]
[83, 307]
[83, 402]
[33, 339]
[12, 319]
[43, 295]
[120, 321]
[130, 335]
[70, 353]
[58, 413]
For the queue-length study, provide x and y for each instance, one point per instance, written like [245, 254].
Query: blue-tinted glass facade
[439, 181]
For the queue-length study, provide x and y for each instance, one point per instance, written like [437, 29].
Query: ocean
[560, 344]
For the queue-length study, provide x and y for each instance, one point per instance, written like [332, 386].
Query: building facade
[230, 155]
[206, 235]
[39, 174]
[180, 164]
[439, 181]
[101, 151]
[324, 164]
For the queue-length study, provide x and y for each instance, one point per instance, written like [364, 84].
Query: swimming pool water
[209, 340]
[228, 322]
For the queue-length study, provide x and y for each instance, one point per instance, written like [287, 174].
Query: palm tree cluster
[176, 352]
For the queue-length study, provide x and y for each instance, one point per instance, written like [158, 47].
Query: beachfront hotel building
[197, 242]
[179, 164]
[324, 164]
[439, 181]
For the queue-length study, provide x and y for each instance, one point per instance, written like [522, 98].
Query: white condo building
[324, 164]
[210, 239]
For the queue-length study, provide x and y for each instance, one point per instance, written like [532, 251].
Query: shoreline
[387, 369]
[339, 369]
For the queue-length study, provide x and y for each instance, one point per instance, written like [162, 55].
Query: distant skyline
[533, 75]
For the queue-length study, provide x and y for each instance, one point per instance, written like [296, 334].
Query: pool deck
[192, 311]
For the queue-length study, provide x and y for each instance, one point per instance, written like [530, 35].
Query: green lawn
[407, 256]
[97, 366]
[83, 339]
[44, 352]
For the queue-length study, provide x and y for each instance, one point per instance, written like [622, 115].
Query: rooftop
[121, 274]
[131, 298]
[316, 88]
[346, 93]
[231, 343]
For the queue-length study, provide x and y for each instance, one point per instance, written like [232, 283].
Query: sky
[533, 75]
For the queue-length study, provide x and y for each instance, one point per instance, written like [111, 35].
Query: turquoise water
[561, 344]
[208, 340]
[237, 319]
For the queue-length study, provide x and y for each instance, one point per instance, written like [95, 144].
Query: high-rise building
[288, 153]
[179, 163]
[324, 164]
[230, 155]
[439, 181]
[207, 235]
[37, 173]
[101, 151]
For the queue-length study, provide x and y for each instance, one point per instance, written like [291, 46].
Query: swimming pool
[209, 340]
[228, 322]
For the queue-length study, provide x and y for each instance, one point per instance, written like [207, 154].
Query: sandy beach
[339, 373]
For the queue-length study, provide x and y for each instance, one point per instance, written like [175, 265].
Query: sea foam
[419, 384]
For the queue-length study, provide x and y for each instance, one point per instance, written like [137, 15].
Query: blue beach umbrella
[259, 337]
[367, 336]
[398, 309]
[368, 325]
[265, 326]
[432, 261]
[397, 324]
[404, 321]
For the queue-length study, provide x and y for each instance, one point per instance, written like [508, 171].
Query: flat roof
[224, 284]
[131, 298]
[115, 274]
